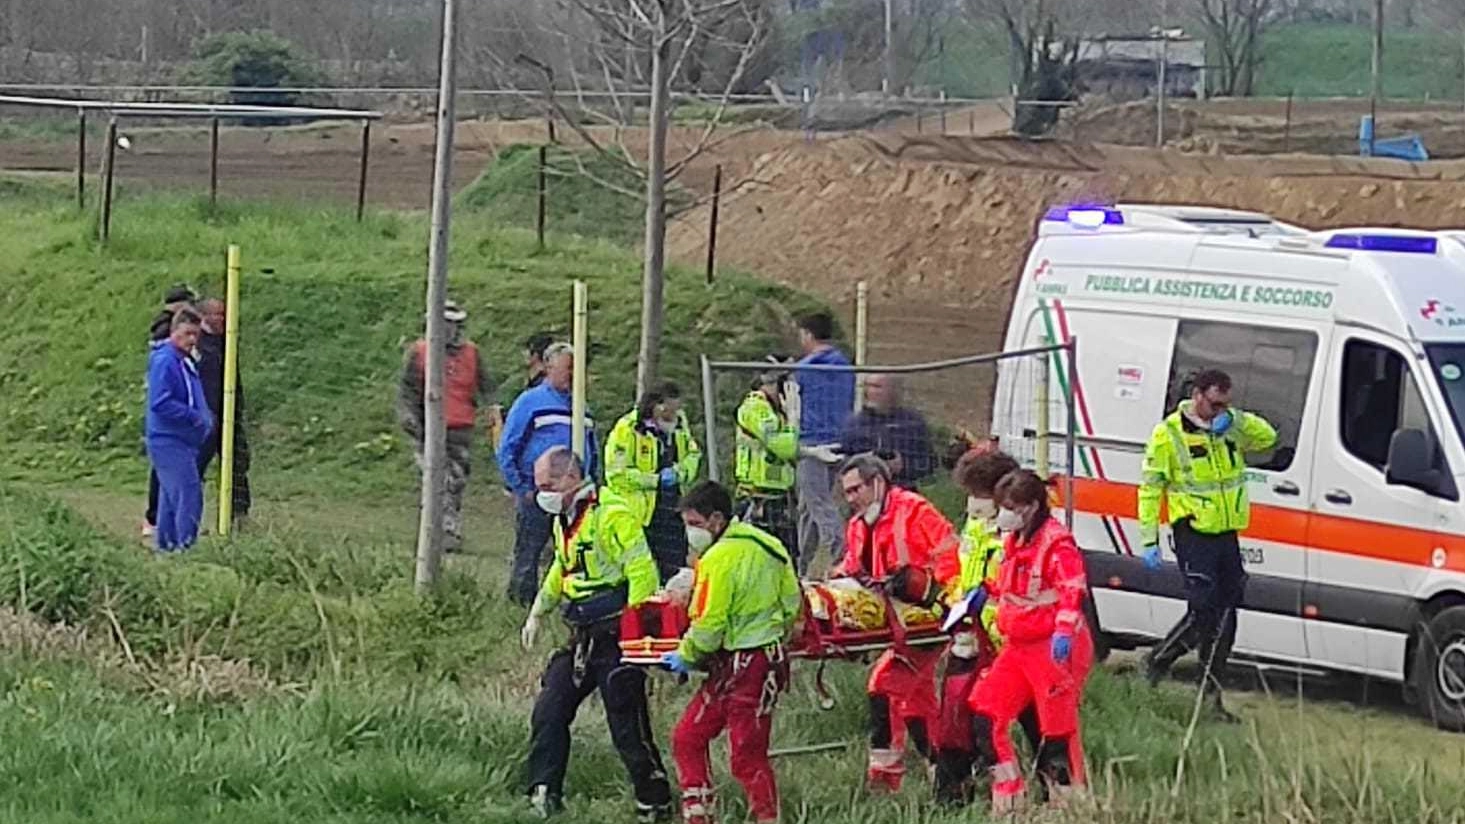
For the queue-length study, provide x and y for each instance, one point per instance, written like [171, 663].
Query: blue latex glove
[1062, 646]
[978, 600]
[669, 478]
[1221, 424]
[1152, 557]
[674, 662]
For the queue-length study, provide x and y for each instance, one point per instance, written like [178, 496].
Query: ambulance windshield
[1448, 360]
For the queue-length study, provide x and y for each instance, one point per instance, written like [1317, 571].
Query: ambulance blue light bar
[1407, 244]
[1085, 217]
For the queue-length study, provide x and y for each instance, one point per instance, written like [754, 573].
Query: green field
[292, 674]
[1310, 60]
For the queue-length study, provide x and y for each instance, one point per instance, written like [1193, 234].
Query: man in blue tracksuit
[826, 400]
[178, 425]
[539, 420]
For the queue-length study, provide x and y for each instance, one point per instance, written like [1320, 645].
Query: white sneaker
[148, 529]
[542, 804]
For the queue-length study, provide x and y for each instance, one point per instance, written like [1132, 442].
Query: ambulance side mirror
[1411, 463]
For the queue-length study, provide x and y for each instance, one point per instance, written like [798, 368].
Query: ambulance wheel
[1102, 647]
[1439, 671]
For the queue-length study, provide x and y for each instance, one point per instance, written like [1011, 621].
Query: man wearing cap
[465, 385]
[160, 328]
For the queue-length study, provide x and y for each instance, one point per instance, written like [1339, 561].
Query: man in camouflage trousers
[465, 386]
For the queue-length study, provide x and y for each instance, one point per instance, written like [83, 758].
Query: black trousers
[239, 493]
[593, 662]
[667, 536]
[1215, 585]
[773, 513]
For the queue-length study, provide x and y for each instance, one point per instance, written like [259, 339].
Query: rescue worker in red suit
[1040, 592]
[975, 641]
[897, 539]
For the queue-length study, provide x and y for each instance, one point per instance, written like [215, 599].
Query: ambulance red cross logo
[1439, 313]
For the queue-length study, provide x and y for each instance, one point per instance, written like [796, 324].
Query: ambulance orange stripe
[1332, 533]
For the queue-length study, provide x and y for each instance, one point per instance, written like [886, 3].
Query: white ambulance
[1350, 342]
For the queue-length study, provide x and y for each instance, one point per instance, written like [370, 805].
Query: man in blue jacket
[178, 425]
[826, 400]
[538, 421]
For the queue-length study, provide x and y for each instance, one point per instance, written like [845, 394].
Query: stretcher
[656, 628]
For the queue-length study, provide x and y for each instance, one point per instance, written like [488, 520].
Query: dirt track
[322, 163]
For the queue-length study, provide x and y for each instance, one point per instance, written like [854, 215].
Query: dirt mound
[939, 227]
[950, 219]
[1262, 127]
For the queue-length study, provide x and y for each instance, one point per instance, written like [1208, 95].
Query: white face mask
[1009, 520]
[551, 502]
[872, 512]
[699, 538]
[982, 508]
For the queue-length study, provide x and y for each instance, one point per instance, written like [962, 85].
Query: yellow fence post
[578, 338]
[231, 399]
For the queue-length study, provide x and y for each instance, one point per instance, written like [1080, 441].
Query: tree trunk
[653, 278]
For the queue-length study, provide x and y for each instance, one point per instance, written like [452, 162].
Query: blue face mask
[1221, 422]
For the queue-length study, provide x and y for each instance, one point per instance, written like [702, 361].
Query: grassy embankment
[292, 675]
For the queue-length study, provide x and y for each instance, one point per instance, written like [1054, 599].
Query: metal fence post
[365, 165]
[542, 213]
[712, 223]
[709, 424]
[213, 161]
[109, 165]
[81, 158]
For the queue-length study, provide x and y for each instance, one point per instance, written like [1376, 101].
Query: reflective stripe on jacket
[981, 560]
[767, 447]
[601, 548]
[746, 594]
[633, 461]
[1198, 475]
[909, 532]
[1041, 586]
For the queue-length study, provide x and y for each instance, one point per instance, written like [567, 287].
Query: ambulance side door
[1275, 367]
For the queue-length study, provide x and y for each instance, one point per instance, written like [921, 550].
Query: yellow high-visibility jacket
[767, 447]
[1200, 476]
[981, 558]
[633, 461]
[603, 549]
[746, 595]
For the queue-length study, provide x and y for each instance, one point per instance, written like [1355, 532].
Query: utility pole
[654, 276]
[434, 451]
[1378, 71]
[1164, 68]
[887, 85]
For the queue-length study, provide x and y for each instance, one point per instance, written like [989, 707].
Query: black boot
[1162, 656]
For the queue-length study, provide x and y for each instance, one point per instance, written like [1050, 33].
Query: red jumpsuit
[902, 686]
[1040, 591]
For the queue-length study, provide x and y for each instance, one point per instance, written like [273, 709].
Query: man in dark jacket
[178, 424]
[161, 326]
[896, 433]
[211, 372]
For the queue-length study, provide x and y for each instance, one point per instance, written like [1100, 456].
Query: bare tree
[633, 50]
[1043, 42]
[1234, 30]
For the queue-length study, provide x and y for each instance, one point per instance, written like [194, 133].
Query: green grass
[589, 195]
[291, 675]
[321, 332]
[1334, 61]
